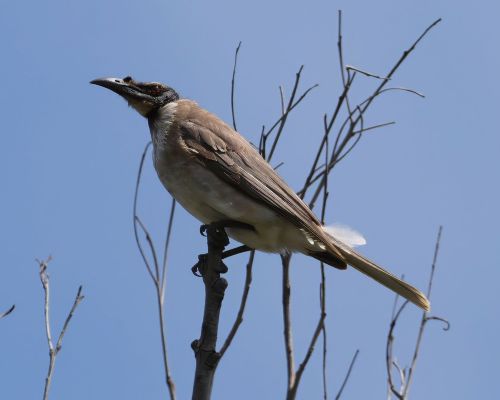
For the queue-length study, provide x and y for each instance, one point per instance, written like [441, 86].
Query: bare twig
[248, 272]
[388, 351]
[158, 276]
[347, 137]
[135, 219]
[401, 371]
[160, 296]
[53, 350]
[446, 323]
[151, 245]
[403, 57]
[4, 314]
[296, 376]
[424, 319]
[325, 350]
[406, 378]
[233, 83]
[348, 374]
[292, 103]
[292, 392]
[355, 116]
[287, 325]
[341, 60]
[241, 311]
[286, 258]
[366, 73]
[400, 89]
[165, 250]
[369, 128]
[328, 126]
[323, 279]
[282, 99]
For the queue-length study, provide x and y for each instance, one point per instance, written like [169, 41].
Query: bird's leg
[237, 250]
[217, 237]
[227, 223]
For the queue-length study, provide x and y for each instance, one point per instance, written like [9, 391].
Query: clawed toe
[203, 229]
[199, 267]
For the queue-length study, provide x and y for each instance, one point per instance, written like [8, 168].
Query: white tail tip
[346, 235]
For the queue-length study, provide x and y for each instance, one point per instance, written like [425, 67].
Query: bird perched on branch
[217, 175]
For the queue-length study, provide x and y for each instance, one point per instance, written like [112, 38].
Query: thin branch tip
[5, 313]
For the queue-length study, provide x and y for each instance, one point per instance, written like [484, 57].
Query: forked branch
[406, 374]
[156, 271]
[54, 349]
[349, 133]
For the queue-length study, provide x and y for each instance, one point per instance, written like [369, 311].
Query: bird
[217, 175]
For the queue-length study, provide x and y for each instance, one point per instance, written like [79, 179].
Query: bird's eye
[127, 79]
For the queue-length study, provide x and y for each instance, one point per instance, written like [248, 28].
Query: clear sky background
[68, 159]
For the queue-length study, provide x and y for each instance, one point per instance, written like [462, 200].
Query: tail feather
[384, 277]
[369, 268]
[329, 258]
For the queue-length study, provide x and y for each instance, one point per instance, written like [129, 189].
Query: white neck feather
[161, 124]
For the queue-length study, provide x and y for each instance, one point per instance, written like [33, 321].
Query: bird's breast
[209, 198]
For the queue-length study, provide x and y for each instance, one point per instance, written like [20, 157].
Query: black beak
[127, 88]
[117, 85]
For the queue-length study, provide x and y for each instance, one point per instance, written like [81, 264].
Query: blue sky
[68, 159]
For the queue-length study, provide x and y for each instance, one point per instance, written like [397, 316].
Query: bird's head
[144, 97]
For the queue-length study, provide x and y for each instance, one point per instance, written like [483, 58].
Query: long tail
[342, 239]
[384, 277]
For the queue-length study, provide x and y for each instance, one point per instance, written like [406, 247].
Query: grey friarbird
[217, 175]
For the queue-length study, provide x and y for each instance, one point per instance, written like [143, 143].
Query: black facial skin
[153, 93]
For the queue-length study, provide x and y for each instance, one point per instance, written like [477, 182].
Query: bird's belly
[209, 199]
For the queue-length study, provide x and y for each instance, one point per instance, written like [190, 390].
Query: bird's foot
[221, 225]
[199, 268]
[217, 241]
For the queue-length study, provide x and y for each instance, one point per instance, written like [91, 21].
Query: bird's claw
[195, 270]
[199, 268]
[203, 229]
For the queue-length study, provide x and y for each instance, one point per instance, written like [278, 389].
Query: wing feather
[229, 156]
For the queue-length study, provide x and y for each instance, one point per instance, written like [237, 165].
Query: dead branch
[347, 137]
[348, 374]
[294, 377]
[232, 85]
[158, 275]
[292, 392]
[401, 393]
[325, 349]
[388, 351]
[281, 122]
[355, 116]
[54, 349]
[424, 320]
[366, 73]
[287, 325]
[241, 311]
[210, 268]
[248, 272]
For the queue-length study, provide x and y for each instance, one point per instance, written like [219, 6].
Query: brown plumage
[216, 174]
